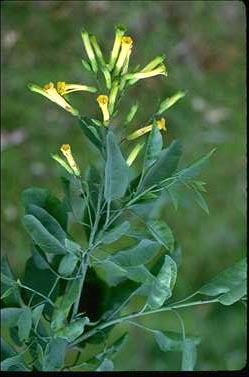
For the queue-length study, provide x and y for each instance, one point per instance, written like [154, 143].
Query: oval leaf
[116, 170]
[39, 234]
[164, 167]
[163, 285]
[162, 233]
[229, 285]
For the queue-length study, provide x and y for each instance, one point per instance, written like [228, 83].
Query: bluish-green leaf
[48, 221]
[6, 350]
[229, 285]
[73, 330]
[201, 202]
[115, 233]
[164, 167]
[54, 355]
[139, 274]
[44, 199]
[37, 314]
[39, 234]
[142, 253]
[67, 265]
[116, 170]
[24, 323]
[106, 365]
[153, 147]
[14, 361]
[72, 247]
[110, 272]
[166, 343]
[35, 195]
[90, 130]
[164, 283]
[14, 299]
[194, 169]
[10, 316]
[162, 233]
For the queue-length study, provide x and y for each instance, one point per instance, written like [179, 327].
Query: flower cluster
[117, 79]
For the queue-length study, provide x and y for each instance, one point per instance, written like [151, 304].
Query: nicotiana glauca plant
[125, 265]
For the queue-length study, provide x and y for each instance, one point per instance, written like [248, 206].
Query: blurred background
[204, 43]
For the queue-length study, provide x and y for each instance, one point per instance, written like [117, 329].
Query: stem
[38, 293]
[139, 314]
[87, 204]
[83, 269]
[91, 246]
[107, 215]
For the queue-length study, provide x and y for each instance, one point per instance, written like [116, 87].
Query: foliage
[50, 313]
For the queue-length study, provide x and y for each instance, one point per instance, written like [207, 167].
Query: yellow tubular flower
[116, 47]
[133, 155]
[127, 60]
[160, 70]
[126, 46]
[49, 91]
[103, 104]
[64, 88]
[66, 151]
[144, 130]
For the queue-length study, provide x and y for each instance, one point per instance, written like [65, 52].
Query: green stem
[139, 314]
[38, 293]
[90, 248]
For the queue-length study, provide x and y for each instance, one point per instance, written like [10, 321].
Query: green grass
[204, 43]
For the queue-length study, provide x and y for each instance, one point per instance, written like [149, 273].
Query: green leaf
[72, 247]
[162, 233]
[37, 314]
[115, 233]
[67, 265]
[14, 361]
[189, 355]
[153, 147]
[201, 202]
[90, 130]
[142, 253]
[228, 285]
[110, 272]
[44, 199]
[164, 283]
[54, 355]
[6, 350]
[49, 222]
[39, 234]
[24, 324]
[164, 167]
[73, 197]
[194, 169]
[35, 195]
[73, 330]
[166, 343]
[8, 279]
[117, 345]
[70, 296]
[139, 274]
[10, 316]
[106, 365]
[116, 170]
[39, 259]
[39, 280]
